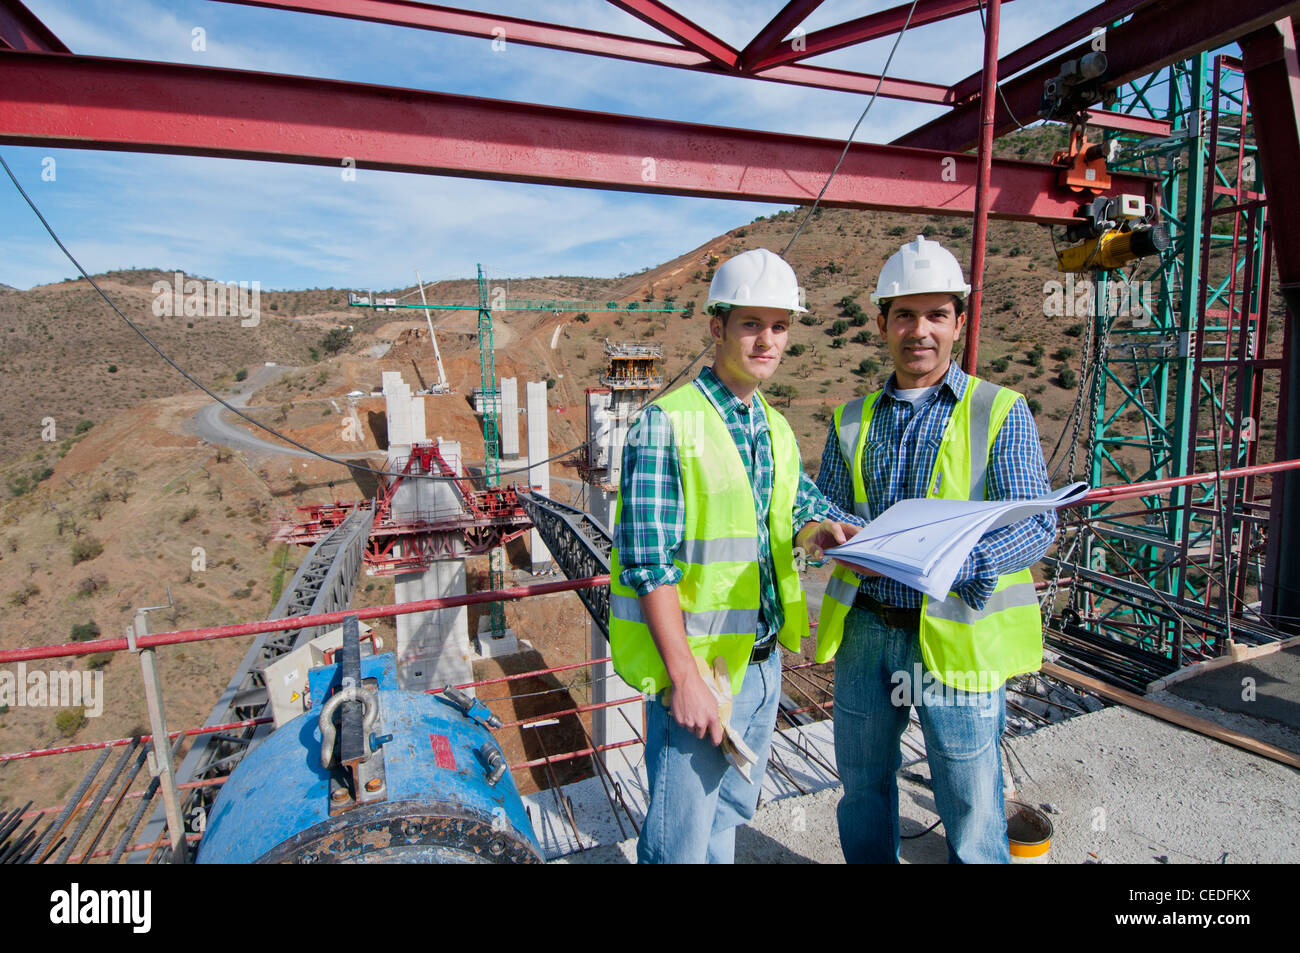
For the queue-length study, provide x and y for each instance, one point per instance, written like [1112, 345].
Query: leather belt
[761, 652]
[894, 616]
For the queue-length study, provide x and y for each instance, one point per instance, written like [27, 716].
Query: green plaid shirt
[653, 526]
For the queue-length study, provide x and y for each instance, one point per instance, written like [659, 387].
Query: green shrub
[1067, 378]
[86, 548]
[20, 597]
[794, 350]
[1000, 365]
[70, 721]
[1074, 330]
[85, 631]
[1034, 406]
[241, 374]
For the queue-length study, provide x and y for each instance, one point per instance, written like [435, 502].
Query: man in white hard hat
[931, 432]
[712, 503]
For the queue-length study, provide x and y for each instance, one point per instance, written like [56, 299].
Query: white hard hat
[755, 279]
[920, 267]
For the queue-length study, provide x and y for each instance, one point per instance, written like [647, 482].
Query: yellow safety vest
[720, 587]
[969, 649]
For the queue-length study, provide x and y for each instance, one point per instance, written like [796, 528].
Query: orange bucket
[1029, 833]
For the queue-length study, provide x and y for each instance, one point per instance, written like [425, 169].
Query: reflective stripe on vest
[963, 647]
[720, 586]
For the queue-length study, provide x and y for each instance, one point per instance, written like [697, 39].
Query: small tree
[783, 391]
[336, 340]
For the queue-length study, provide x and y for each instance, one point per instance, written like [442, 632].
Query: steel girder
[573, 39]
[94, 103]
[1153, 37]
[869, 27]
[766, 40]
[1272, 70]
[1047, 44]
[21, 30]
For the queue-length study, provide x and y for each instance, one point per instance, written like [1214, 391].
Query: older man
[931, 432]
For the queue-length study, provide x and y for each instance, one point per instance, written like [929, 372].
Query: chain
[1096, 361]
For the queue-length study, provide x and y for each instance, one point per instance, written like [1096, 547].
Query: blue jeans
[876, 684]
[696, 797]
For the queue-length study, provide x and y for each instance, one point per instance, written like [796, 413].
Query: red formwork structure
[468, 521]
[51, 97]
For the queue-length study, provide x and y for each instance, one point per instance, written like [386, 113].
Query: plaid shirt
[902, 445]
[653, 526]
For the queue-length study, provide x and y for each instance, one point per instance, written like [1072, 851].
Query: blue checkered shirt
[652, 526]
[902, 445]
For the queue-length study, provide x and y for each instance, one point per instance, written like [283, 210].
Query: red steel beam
[870, 27]
[20, 29]
[1272, 70]
[767, 39]
[682, 30]
[1125, 122]
[489, 26]
[970, 355]
[1068, 32]
[1153, 38]
[130, 106]
[821, 77]
[571, 39]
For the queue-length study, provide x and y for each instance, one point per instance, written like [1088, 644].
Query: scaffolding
[1177, 372]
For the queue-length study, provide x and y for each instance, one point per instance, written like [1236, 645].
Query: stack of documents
[923, 543]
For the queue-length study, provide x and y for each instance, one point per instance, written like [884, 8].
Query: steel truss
[580, 544]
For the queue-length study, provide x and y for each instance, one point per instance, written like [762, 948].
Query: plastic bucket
[1029, 833]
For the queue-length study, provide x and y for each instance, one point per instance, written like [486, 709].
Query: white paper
[923, 543]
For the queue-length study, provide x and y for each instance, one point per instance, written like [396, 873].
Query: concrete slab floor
[1123, 787]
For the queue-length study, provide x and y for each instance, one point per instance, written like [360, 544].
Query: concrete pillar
[433, 647]
[539, 475]
[397, 400]
[509, 418]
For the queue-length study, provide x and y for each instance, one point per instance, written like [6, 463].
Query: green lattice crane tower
[490, 398]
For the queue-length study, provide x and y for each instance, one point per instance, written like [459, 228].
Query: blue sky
[302, 226]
